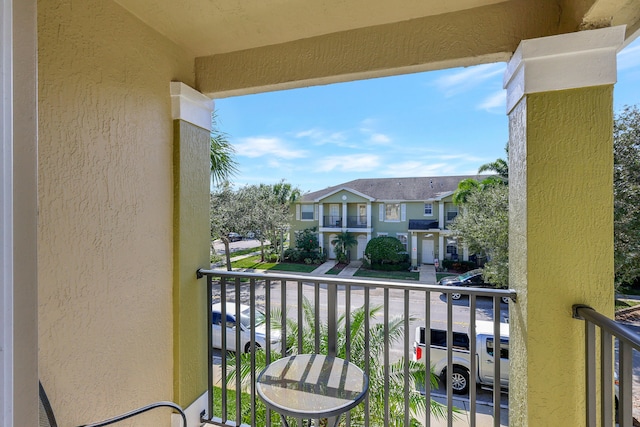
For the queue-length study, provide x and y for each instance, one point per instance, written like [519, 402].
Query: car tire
[247, 348]
[505, 300]
[459, 380]
[456, 296]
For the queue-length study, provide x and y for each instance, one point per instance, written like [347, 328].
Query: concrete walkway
[350, 269]
[427, 274]
[323, 268]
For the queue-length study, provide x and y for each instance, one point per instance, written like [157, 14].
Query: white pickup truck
[461, 361]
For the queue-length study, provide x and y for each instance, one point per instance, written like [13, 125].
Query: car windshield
[245, 318]
[467, 275]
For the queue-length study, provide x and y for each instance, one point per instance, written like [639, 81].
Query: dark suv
[471, 279]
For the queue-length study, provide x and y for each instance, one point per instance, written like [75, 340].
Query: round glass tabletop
[311, 386]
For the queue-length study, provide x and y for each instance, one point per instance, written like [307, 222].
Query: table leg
[284, 420]
[333, 421]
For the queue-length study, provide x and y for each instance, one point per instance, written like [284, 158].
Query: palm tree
[223, 165]
[343, 242]
[362, 347]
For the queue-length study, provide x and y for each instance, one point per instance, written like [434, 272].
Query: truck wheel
[456, 296]
[460, 380]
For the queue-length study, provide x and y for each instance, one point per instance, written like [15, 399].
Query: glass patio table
[312, 387]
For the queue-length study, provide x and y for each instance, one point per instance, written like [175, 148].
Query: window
[451, 215]
[428, 209]
[307, 212]
[504, 348]
[392, 212]
[403, 240]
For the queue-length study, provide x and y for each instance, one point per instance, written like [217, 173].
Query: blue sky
[436, 123]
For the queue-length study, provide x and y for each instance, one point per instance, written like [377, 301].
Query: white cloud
[379, 138]
[357, 163]
[267, 146]
[417, 168]
[629, 57]
[468, 78]
[493, 102]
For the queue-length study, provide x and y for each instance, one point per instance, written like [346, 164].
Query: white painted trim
[6, 214]
[190, 105]
[339, 189]
[192, 412]
[566, 61]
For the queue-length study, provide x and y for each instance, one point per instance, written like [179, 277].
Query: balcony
[336, 222]
[370, 323]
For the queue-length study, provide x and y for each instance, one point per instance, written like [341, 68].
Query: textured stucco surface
[105, 229]
[561, 223]
[191, 252]
[470, 37]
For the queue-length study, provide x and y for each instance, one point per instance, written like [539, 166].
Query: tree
[483, 224]
[357, 355]
[626, 190]
[500, 166]
[230, 211]
[223, 165]
[385, 250]
[342, 243]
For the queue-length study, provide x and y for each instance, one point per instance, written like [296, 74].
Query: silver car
[245, 324]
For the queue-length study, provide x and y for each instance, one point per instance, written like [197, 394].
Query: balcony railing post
[332, 319]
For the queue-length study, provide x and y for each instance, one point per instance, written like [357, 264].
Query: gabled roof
[397, 189]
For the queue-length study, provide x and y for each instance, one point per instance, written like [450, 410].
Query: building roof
[397, 189]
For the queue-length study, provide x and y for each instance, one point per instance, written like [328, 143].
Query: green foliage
[385, 250]
[458, 266]
[361, 347]
[223, 165]
[483, 223]
[626, 190]
[307, 239]
[342, 244]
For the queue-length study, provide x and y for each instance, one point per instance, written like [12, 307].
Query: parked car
[234, 237]
[461, 358]
[245, 324]
[470, 279]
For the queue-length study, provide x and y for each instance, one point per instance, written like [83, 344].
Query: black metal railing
[338, 222]
[615, 389]
[369, 322]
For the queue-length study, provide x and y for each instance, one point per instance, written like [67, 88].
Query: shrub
[460, 266]
[307, 240]
[385, 250]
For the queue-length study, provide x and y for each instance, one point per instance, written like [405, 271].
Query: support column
[414, 249]
[559, 102]
[344, 217]
[192, 126]
[441, 247]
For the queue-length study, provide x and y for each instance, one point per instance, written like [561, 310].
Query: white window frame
[405, 243]
[302, 212]
[430, 209]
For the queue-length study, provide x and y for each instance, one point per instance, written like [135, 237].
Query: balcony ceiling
[350, 39]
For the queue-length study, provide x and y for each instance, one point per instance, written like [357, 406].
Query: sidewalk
[427, 274]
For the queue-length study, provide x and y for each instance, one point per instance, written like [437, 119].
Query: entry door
[362, 245]
[332, 248]
[427, 252]
[334, 215]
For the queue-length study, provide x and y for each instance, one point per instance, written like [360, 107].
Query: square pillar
[191, 112]
[559, 102]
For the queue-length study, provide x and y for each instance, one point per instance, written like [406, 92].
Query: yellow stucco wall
[561, 228]
[191, 236]
[105, 209]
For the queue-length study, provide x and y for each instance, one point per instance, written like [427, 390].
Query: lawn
[396, 275]
[253, 262]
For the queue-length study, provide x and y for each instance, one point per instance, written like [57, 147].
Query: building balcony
[373, 324]
[337, 222]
